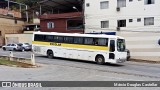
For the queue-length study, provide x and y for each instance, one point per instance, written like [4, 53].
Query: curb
[144, 61]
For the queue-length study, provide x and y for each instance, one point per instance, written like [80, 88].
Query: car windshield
[26, 43]
[121, 45]
[19, 44]
[8, 44]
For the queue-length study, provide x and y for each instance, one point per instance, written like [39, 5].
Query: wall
[18, 38]
[141, 40]
[8, 26]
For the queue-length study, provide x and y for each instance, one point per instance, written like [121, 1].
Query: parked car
[128, 54]
[26, 46]
[12, 47]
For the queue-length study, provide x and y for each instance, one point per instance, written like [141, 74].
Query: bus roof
[78, 34]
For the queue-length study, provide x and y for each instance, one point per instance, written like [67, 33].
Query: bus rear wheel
[100, 60]
[50, 54]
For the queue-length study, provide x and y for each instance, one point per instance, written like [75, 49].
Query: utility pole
[8, 5]
[27, 13]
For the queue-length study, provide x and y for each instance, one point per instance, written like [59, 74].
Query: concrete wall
[141, 40]
[18, 38]
[142, 45]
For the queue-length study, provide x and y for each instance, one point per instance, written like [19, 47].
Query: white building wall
[141, 40]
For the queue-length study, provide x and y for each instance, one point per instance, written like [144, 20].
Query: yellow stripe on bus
[72, 45]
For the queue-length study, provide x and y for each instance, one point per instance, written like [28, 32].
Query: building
[60, 16]
[12, 18]
[64, 22]
[9, 25]
[136, 20]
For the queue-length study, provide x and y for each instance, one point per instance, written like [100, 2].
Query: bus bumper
[120, 60]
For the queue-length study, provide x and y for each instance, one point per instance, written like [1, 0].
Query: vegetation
[30, 3]
[14, 63]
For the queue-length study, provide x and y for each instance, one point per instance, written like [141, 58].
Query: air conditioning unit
[118, 29]
[118, 9]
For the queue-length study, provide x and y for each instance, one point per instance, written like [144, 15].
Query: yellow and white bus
[91, 47]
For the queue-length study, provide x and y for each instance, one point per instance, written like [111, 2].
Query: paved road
[76, 70]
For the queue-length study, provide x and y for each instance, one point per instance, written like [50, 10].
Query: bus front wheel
[50, 54]
[100, 59]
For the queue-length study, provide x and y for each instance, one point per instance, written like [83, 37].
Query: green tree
[30, 3]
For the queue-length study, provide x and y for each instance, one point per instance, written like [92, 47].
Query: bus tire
[100, 59]
[50, 54]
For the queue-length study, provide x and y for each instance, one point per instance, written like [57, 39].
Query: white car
[26, 46]
[12, 47]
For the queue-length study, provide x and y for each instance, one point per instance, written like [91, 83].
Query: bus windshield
[121, 45]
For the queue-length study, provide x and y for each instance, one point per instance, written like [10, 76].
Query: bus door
[112, 49]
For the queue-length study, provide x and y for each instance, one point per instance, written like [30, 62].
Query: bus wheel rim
[100, 60]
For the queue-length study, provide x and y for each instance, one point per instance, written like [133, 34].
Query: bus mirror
[159, 41]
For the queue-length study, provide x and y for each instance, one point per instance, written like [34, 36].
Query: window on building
[104, 24]
[149, 21]
[146, 2]
[121, 3]
[121, 23]
[130, 0]
[87, 4]
[138, 19]
[130, 20]
[50, 25]
[74, 24]
[104, 5]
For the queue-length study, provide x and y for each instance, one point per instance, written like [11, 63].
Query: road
[60, 69]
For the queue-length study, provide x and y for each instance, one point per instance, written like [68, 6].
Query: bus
[91, 47]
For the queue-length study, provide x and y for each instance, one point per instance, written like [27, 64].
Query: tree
[30, 3]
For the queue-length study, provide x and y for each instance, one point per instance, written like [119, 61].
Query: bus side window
[100, 41]
[112, 46]
[58, 39]
[95, 41]
[39, 37]
[68, 39]
[78, 40]
[49, 38]
[88, 41]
